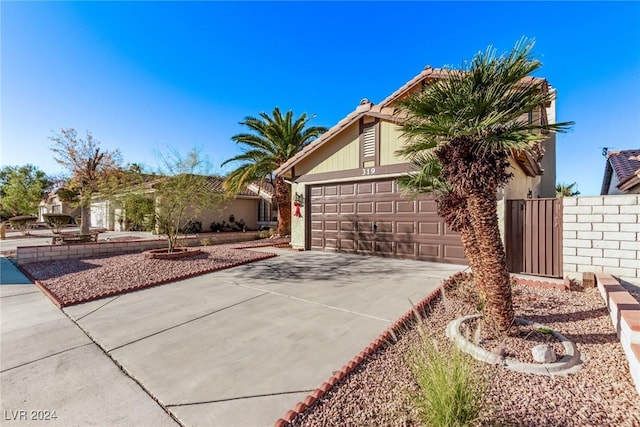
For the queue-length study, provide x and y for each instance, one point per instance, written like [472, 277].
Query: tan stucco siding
[519, 186]
[342, 153]
[391, 140]
[298, 231]
[241, 209]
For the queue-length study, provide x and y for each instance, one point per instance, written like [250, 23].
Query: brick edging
[60, 304]
[565, 286]
[624, 311]
[389, 334]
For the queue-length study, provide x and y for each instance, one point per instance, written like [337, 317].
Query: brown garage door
[373, 218]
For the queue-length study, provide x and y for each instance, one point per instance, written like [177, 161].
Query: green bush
[192, 227]
[56, 221]
[207, 241]
[23, 223]
[450, 387]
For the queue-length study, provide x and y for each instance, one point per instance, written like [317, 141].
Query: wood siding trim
[397, 169]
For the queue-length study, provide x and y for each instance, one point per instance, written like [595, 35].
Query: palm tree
[472, 121]
[426, 179]
[273, 141]
[564, 190]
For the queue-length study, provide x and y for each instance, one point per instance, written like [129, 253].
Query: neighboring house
[346, 180]
[253, 206]
[53, 204]
[622, 172]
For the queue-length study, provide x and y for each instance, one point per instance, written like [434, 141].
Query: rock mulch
[601, 393]
[74, 281]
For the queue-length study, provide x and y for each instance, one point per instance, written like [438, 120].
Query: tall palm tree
[564, 190]
[426, 179]
[273, 140]
[472, 121]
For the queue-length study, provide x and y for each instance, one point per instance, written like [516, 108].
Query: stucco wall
[298, 223]
[241, 209]
[343, 152]
[601, 234]
[391, 140]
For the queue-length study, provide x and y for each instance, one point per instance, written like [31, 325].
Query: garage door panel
[347, 208]
[429, 250]
[384, 207]
[330, 208]
[347, 244]
[384, 227]
[365, 188]
[429, 228]
[342, 217]
[405, 227]
[405, 248]
[403, 206]
[384, 248]
[331, 225]
[347, 189]
[428, 206]
[383, 187]
[347, 226]
[365, 207]
[452, 251]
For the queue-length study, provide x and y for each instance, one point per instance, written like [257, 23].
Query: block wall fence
[29, 254]
[601, 234]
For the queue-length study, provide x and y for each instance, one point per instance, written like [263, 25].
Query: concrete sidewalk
[50, 368]
[240, 347]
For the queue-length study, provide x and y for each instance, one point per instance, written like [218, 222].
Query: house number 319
[368, 171]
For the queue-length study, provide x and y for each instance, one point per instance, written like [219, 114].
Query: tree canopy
[271, 141]
[468, 124]
[21, 190]
[92, 169]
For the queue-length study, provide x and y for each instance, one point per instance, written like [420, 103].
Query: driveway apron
[240, 347]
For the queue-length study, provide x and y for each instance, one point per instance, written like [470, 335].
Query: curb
[388, 335]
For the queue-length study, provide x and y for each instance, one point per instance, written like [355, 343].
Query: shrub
[265, 234]
[207, 241]
[23, 223]
[56, 221]
[192, 227]
[450, 387]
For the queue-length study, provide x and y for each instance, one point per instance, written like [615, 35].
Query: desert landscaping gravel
[78, 280]
[601, 393]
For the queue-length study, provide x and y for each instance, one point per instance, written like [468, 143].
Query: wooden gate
[534, 237]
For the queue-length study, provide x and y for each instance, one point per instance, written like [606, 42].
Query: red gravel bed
[75, 281]
[601, 393]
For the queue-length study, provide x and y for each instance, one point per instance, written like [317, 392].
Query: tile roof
[626, 165]
[383, 110]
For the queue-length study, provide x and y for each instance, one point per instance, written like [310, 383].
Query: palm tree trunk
[283, 199]
[472, 253]
[494, 275]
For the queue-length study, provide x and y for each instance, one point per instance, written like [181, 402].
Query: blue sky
[142, 76]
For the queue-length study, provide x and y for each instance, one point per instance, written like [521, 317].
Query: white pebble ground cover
[601, 393]
[74, 281]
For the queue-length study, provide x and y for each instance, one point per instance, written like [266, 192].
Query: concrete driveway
[237, 347]
[240, 347]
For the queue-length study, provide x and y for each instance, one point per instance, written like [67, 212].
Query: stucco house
[622, 172]
[345, 185]
[52, 203]
[253, 206]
